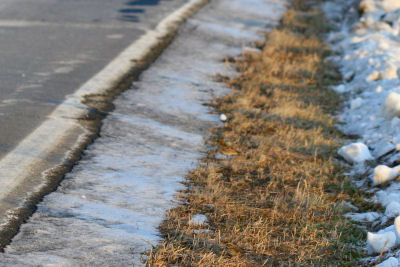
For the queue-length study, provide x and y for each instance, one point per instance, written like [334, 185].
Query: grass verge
[271, 191]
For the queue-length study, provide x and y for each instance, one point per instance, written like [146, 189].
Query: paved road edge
[39, 162]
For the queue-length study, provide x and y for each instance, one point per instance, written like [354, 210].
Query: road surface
[48, 48]
[52, 53]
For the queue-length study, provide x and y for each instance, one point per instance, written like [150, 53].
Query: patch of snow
[351, 206]
[363, 217]
[198, 219]
[397, 229]
[383, 150]
[356, 103]
[383, 174]
[368, 54]
[391, 262]
[393, 209]
[380, 242]
[355, 153]
[392, 105]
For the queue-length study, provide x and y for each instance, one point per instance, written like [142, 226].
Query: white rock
[223, 117]
[383, 174]
[380, 242]
[393, 209]
[355, 153]
[356, 103]
[198, 219]
[392, 105]
[391, 262]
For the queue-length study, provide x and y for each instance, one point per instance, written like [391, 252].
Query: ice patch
[355, 153]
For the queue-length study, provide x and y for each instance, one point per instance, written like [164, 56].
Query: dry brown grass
[276, 197]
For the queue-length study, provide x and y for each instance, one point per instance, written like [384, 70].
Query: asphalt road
[48, 48]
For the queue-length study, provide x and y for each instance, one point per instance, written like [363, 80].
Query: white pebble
[380, 242]
[391, 262]
[392, 105]
[355, 153]
[383, 174]
[223, 117]
[379, 89]
[356, 103]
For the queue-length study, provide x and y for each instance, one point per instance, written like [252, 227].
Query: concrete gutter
[37, 165]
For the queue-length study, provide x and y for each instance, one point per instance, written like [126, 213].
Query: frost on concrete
[368, 54]
[107, 210]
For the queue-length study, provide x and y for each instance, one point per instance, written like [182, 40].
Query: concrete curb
[37, 165]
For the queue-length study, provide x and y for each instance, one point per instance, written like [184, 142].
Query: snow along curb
[26, 171]
[368, 56]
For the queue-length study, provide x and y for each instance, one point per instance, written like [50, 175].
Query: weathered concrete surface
[107, 209]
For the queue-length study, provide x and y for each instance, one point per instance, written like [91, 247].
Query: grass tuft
[272, 192]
